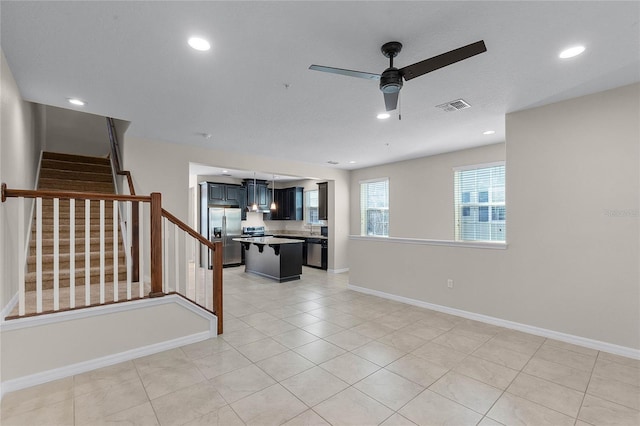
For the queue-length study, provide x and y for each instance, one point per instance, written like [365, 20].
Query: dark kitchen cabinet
[216, 192]
[242, 202]
[323, 195]
[220, 194]
[234, 194]
[223, 195]
[261, 191]
[288, 204]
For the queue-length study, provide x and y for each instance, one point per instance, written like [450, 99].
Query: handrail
[126, 173]
[216, 248]
[188, 229]
[31, 193]
[155, 242]
[115, 149]
[113, 139]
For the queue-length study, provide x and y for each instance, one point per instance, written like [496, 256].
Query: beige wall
[19, 157]
[164, 167]
[573, 236]
[101, 336]
[421, 192]
[76, 132]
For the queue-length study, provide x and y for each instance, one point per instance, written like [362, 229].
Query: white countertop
[268, 240]
[301, 235]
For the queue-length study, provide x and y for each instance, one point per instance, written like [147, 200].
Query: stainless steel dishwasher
[317, 252]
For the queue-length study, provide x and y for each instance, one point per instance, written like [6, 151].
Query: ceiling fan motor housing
[391, 80]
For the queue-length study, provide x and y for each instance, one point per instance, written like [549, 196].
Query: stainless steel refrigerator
[225, 225]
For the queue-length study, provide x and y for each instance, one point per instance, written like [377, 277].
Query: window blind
[480, 209]
[312, 206]
[374, 207]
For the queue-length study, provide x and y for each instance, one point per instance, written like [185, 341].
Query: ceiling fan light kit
[391, 79]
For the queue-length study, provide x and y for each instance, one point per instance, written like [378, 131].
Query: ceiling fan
[391, 78]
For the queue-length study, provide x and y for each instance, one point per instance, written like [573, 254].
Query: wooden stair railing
[158, 286]
[117, 166]
[216, 249]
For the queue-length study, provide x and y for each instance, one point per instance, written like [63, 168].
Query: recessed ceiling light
[488, 132]
[225, 171]
[75, 101]
[352, 162]
[571, 52]
[199, 43]
[383, 116]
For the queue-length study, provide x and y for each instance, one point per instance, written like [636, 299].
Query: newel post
[156, 245]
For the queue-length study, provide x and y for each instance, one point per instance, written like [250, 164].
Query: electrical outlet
[450, 283]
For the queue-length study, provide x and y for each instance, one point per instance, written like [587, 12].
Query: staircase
[64, 172]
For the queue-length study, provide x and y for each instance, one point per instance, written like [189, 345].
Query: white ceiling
[253, 91]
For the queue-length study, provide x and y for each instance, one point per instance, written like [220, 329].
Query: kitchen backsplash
[286, 226]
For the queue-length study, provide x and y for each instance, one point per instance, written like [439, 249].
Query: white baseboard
[90, 311]
[564, 337]
[83, 367]
[338, 271]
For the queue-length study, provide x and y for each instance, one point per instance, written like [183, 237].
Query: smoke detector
[456, 105]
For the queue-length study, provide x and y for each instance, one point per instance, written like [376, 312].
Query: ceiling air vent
[456, 105]
[333, 162]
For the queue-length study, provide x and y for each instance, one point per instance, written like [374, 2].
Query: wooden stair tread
[77, 173]
[79, 167]
[75, 158]
[75, 186]
[73, 175]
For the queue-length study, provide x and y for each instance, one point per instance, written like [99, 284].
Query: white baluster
[165, 260]
[87, 252]
[195, 271]
[38, 255]
[176, 254]
[115, 251]
[141, 250]
[72, 253]
[22, 254]
[56, 254]
[129, 247]
[102, 255]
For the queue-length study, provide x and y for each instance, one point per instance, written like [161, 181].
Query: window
[374, 207]
[311, 206]
[480, 210]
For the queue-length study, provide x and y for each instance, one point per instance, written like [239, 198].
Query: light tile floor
[312, 352]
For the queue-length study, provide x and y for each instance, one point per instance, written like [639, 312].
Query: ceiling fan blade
[391, 101]
[440, 61]
[350, 73]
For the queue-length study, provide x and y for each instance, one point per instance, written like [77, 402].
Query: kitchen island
[277, 258]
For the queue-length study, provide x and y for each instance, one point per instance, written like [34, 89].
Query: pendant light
[273, 193]
[254, 207]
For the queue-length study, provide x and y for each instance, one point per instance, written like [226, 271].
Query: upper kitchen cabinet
[323, 193]
[261, 191]
[220, 194]
[223, 194]
[289, 203]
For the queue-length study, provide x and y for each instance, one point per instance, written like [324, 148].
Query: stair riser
[47, 248]
[64, 185]
[64, 258]
[74, 158]
[74, 175]
[64, 282]
[75, 167]
[64, 266]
